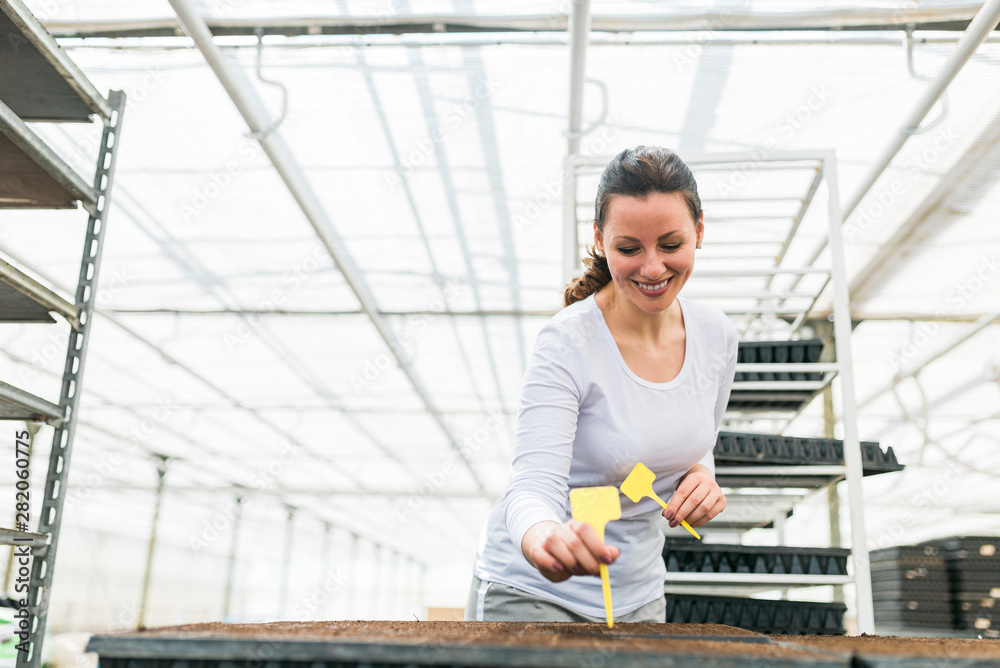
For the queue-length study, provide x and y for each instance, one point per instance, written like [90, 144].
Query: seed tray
[893, 652]
[907, 552]
[985, 607]
[974, 621]
[687, 556]
[929, 594]
[920, 566]
[455, 644]
[992, 595]
[914, 577]
[750, 400]
[938, 607]
[767, 352]
[759, 615]
[973, 583]
[983, 546]
[750, 448]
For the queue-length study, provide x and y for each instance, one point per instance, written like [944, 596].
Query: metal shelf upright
[39, 82]
[757, 289]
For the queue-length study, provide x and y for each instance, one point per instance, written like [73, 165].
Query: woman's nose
[652, 267]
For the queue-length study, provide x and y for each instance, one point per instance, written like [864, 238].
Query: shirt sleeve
[551, 394]
[725, 388]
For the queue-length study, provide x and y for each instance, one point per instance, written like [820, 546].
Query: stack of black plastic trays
[910, 587]
[761, 615]
[973, 566]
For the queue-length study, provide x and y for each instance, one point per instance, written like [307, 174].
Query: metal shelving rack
[38, 82]
[778, 305]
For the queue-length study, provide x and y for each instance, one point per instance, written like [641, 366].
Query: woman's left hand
[698, 498]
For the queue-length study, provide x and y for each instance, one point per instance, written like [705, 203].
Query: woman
[628, 372]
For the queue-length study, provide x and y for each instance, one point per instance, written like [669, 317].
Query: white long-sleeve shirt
[586, 419]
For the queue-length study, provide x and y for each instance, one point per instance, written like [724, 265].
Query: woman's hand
[698, 498]
[559, 551]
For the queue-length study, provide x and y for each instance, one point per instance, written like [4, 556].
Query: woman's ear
[699, 229]
[598, 240]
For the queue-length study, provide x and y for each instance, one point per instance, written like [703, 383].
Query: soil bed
[625, 644]
[862, 646]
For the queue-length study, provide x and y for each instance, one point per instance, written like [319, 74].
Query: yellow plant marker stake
[639, 483]
[597, 506]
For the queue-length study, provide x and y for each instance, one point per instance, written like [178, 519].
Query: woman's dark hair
[635, 172]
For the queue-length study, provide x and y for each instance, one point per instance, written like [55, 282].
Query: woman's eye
[670, 247]
[626, 251]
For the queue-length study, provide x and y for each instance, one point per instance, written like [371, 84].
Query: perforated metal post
[286, 564]
[50, 518]
[161, 472]
[231, 567]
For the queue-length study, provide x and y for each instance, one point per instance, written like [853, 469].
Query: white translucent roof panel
[441, 169]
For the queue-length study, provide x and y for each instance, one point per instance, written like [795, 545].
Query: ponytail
[596, 276]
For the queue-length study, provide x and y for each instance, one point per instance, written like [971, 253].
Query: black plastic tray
[751, 448]
[767, 352]
[961, 547]
[916, 553]
[687, 556]
[760, 615]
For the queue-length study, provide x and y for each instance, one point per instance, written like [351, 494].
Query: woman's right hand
[559, 551]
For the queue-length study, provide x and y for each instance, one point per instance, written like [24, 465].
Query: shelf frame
[42, 296]
[60, 455]
[33, 409]
[46, 160]
[32, 32]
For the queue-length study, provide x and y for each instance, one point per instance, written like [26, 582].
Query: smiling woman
[628, 372]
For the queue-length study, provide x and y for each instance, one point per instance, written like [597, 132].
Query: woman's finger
[690, 504]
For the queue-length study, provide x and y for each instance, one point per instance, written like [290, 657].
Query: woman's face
[649, 243]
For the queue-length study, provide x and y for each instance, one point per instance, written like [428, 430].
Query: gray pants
[495, 602]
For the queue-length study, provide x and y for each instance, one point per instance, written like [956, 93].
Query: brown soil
[865, 645]
[596, 637]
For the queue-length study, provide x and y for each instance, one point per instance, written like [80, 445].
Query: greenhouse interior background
[240, 384]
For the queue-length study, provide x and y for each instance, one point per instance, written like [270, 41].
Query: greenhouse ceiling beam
[955, 17]
[979, 29]
[958, 192]
[250, 106]
[525, 39]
